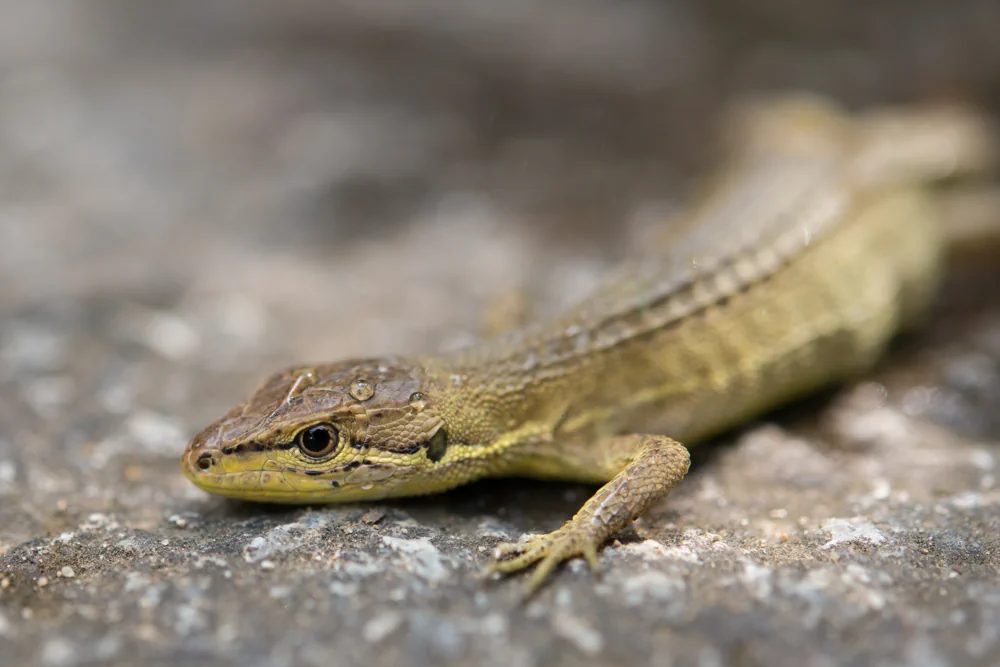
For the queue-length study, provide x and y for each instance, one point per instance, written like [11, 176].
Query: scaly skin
[816, 244]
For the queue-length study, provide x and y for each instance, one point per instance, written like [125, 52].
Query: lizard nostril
[204, 461]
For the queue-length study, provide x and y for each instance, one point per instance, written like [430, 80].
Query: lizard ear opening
[437, 446]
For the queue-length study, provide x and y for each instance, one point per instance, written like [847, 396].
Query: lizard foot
[644, 468]
[547, 551]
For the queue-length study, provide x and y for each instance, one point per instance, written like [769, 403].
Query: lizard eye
[317, 441]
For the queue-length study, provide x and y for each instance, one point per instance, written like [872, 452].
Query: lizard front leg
[645, 468]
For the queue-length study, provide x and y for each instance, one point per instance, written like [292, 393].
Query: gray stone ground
[193, 193]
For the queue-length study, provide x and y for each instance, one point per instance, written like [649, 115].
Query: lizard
[816, 243]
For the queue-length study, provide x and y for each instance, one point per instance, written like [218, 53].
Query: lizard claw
[548, 551]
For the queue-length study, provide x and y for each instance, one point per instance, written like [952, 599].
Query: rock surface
[192, 194]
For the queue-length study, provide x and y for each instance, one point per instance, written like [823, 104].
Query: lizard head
[354, 430]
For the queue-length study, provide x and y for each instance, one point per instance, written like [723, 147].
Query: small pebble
[373, 516]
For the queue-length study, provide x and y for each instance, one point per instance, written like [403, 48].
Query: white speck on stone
[577, 632]
[107, 648]
[267, 565]
[257, 550]
[279, 592]
[758, 580]
[880, 426]
[242, 317]
[920, 652]
[490, 528]
[856, 573]
[683, 553]
[854, 529]
[710, 657]
[152, 597]
[155, 432]
[190, 619]
[495, 624]
[422, 557]
[67, 572]
[135, 581]
[202, 561]
[651, 550]
[67, 537]
[564, 597]
[227, 633]
[918, 400]
[33, 348]
[129, 544]
[359, 570]
[287, 537]
[117, 399]
[861, 581]
[971, 371]
[8, 474]
[982, 460]
[59, 652]
[966, 500]
[881, 489]
[168, 335]
[47, 396]
[344, 589]
[652, 585]
[381, 626]
[812, 587]
[647, 549]
[445, 635]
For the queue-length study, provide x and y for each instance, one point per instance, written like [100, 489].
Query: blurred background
[295, 159]
[194, 192]
[158, 138]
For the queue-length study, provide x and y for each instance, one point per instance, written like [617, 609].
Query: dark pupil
[316, 439]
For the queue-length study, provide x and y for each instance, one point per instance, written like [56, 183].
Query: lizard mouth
[258, 478]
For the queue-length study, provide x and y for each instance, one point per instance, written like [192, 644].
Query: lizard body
[818, 242]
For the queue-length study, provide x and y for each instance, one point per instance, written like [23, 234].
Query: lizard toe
[511, 557]
[548, 551]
